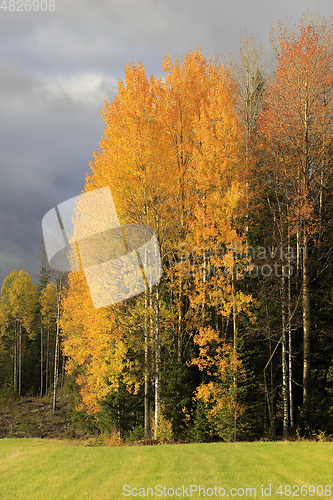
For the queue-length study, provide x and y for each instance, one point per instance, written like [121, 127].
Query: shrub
[137, 434]
[113, 439]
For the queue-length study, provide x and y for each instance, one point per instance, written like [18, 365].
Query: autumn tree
[95, 344]
[296, 128]
[18, 305]
[133, 164]
[220, 194]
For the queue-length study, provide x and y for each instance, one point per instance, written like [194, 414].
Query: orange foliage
[296, 123]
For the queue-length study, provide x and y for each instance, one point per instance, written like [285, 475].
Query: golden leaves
[19, 298]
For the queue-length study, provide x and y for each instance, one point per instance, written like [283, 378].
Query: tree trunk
[20, 361]
[62, 372]
[15, 359]
[180, 320]
[147, 424]
[234, 321]
[272, 391]
[55, 373]
[306, 321]
[298, 266]
[56, 369]
[284, 361]
[290, 367]
[147, 366]
[157, 363]
[41, 356]
[305, 277]
[47, 357]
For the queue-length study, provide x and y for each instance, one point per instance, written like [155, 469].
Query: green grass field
[42, 469]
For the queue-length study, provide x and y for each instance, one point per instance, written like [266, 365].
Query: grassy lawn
[57, 470]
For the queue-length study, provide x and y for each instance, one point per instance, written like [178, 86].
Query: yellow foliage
[114, 439]
[220, 396]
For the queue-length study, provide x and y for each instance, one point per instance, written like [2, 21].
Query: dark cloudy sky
[56, 69]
